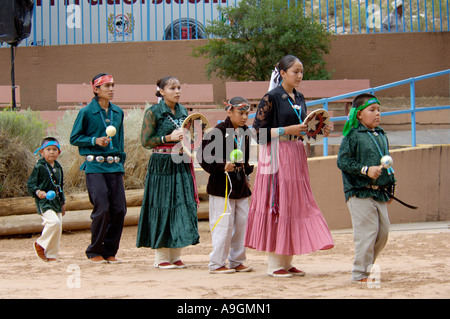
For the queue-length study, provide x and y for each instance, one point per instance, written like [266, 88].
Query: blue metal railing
[413, 110]
[59, 22]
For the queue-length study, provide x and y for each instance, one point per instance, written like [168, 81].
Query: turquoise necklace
[297, 109]
[238, 144]
[110, 122]
[386, 151]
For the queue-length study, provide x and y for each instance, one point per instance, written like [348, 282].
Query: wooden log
[80, 201]
[73, 220]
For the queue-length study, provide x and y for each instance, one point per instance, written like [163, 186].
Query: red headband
[102, 80]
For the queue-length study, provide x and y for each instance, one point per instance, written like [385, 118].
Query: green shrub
[27, 126]
[20, 134]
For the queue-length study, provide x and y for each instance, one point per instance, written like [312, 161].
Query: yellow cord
[226, 201]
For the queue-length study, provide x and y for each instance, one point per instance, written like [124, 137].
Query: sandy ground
[415, 264]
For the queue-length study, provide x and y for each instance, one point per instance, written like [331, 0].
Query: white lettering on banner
[129, 2]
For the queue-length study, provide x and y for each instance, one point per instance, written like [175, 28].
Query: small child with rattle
[46, 186]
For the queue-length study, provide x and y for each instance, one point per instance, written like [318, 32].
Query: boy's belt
[383, 190]
[101, 159]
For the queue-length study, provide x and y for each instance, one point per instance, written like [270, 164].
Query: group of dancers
[278, 215]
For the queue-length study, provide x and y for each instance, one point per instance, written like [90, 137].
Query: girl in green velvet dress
[168, 220]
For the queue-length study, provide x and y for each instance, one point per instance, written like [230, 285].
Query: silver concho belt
[101, 159]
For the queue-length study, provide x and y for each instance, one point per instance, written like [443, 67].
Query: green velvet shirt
[41, 179]
[90, 124]
[156, 123]
[358, 149]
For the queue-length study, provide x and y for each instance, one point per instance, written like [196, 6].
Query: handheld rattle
[111, 131]
[236, 155]
[387, 162]
[50, 195]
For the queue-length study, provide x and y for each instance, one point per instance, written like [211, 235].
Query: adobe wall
[386, 58]
[422, 180]
[382, 58]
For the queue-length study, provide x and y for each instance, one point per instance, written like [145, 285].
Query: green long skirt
[169, 210]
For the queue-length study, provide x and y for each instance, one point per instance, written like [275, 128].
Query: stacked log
[18, 215]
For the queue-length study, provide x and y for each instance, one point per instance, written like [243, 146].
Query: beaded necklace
[56, 184]
[177, 125]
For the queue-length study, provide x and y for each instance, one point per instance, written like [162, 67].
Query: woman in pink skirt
[284, 219]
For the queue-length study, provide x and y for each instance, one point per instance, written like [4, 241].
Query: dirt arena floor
[415, 264]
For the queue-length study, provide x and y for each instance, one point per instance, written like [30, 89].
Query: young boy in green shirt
[365, 180]
[103, 167]
[47, 177]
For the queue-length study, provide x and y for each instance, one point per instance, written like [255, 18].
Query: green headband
[352, 120]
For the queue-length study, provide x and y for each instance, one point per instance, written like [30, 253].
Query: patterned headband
[241, 106]
[102, 80]
[48, 144]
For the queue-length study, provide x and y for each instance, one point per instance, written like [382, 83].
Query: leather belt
[383, 189]
[167, 151]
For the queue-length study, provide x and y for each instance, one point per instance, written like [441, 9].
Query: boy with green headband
[365, 180]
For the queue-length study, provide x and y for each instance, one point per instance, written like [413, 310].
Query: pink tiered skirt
[284, 217]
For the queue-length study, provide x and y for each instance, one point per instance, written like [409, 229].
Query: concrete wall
[422, 180]
[382, 58]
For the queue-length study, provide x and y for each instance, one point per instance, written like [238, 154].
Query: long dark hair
[284, 64]
[162, 83]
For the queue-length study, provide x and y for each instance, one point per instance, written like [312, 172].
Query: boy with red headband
[46, 186]
[104, 167]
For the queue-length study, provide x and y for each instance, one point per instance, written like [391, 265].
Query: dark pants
[107, 194]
